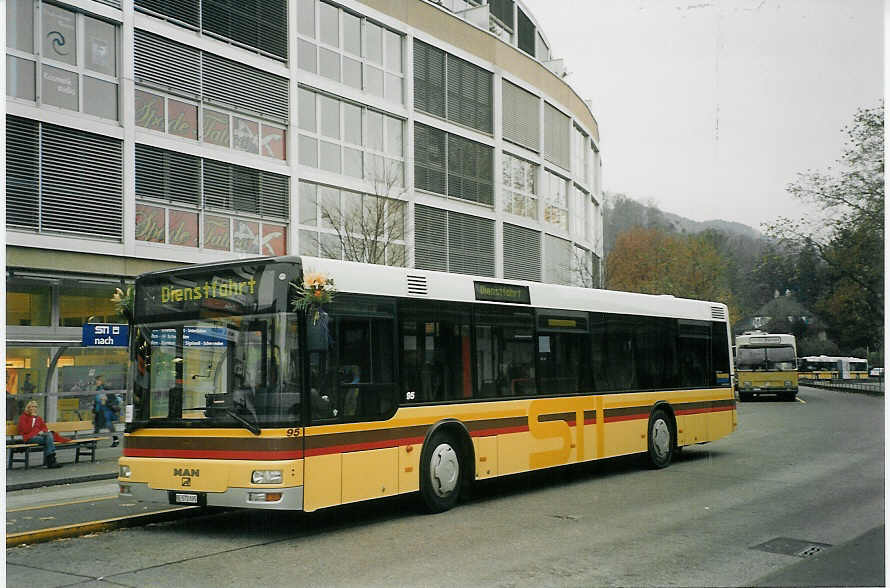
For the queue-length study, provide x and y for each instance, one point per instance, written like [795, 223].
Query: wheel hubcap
[444, 470]
[661, 438]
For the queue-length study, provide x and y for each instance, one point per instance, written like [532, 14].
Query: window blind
[168, 175]
[470, 245]
[167, 64]
[430, 238]
[429, 158]
[470, 168]
[429, 79]
[522, 253]
[556, 136]
[22, 172]
[81, 194]
[522, 122]
[469, 94]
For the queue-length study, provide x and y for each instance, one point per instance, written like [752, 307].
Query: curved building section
[144, 134]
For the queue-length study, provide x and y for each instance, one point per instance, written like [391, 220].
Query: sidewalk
[104, 468]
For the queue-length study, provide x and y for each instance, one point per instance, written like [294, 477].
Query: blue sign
[163, 338]
[204, 336]
[105, 335]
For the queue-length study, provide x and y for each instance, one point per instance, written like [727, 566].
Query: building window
[521, 116]
[342, 224]
[352, 50]
[468, 242]
[52, 188]
[580, 214]
[522, 253]
[349, 139]
[77, 62]
[556, 202]
[261, 26]
[526, 37]
[179, 117]
[452, 165]
[580, 161]
[28, 305]
[557, 261]
[556, 137]
[80, 304]
[519, 183]
[452, 88]
[192, 202]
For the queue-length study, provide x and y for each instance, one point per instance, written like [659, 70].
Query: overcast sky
[710, 108]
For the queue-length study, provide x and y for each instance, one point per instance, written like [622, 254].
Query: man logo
[180, 472]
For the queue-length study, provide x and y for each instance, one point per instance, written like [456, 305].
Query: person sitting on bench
[33, 430]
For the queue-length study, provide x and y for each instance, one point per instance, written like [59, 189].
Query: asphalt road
[797, 478]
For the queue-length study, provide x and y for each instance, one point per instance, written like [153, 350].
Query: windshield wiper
[252, 427]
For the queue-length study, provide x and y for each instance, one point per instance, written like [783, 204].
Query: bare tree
[369, 227]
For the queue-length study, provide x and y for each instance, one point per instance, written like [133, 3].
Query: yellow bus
[766, 363]
[817, 367]
[404, 381]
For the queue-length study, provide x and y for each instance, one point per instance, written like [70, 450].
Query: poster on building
[216, 233]
[183, 228]
[150, 223]
[274, 240]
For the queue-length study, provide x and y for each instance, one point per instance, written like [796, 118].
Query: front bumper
[291, 498]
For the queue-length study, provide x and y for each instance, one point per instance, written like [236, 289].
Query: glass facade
[220, 173]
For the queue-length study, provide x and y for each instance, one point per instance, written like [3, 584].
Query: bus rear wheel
[662, 440]
[440, 472]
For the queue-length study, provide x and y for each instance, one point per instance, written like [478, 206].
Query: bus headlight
[266, 477]
[125, 471]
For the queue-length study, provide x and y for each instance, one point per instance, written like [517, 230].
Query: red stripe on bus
[211, 454]
[627, 417]
[704, 410]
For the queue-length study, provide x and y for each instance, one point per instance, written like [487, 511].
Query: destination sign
[238, 290]
[491, 292]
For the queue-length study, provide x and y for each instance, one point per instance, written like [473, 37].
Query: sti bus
[406, 381]
[817, 367]
[766, 364]
[853, 368]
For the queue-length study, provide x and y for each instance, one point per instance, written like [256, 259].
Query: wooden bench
[18, 451]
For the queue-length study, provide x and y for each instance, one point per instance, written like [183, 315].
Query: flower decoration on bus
[316, 290]
[123, 302]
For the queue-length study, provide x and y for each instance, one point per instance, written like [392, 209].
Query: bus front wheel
[662, 439]
[440, 472]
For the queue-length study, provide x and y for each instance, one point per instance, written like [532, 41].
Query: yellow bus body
[767, 381]
[349, 462]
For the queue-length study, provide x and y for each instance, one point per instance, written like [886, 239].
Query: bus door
[351, 381]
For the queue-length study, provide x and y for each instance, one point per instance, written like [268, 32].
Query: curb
[43, 535]
[59, 481]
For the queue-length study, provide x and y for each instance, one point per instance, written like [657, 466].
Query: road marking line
[801, 400]
[81, 501]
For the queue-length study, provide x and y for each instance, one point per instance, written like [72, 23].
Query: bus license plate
[186, 498]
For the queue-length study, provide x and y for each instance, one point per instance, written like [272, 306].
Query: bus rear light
[264, 496]
[125, 471]
[125, 490]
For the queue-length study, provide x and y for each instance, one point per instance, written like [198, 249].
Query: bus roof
[363, 278]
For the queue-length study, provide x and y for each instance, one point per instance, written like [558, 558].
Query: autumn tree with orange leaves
[651, 261]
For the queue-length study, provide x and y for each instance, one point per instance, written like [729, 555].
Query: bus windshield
[226, 371]
[765, 358]
[216, 346]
